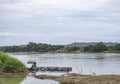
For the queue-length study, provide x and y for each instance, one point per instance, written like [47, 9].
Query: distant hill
[83, 44]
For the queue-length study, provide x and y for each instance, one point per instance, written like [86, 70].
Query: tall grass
[11, 64]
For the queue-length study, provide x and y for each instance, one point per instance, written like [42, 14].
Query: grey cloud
[10, 1]
[59, 21]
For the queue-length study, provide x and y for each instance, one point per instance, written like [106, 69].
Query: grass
[10, 64]
[14, 79]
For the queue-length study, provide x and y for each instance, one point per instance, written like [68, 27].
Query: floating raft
[52, 69]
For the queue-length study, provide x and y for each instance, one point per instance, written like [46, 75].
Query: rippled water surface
[85, 63]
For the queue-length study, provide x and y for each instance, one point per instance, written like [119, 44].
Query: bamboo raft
[48, 68]
[52, 69]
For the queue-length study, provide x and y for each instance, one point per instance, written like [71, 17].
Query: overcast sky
[59, 21]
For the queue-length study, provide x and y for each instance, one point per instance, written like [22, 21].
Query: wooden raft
[52, 69]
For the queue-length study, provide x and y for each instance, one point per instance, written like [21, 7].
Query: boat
[47, 68]
[52, 69]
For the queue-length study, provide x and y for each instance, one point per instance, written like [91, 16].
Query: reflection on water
[85, 63]
[19, 79]
[33, 80]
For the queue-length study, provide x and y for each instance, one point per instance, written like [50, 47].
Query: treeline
[31, 47]
[101, 47]
[41, 48]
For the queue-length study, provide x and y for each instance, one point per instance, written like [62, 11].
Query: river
[84, 63]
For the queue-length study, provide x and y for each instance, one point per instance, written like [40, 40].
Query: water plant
[80, 70]
[92, 71]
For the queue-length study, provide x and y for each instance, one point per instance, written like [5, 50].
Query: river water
[84, 63]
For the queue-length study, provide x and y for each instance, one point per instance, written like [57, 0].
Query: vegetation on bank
[10, 65]
[101, 47]
[42, 48]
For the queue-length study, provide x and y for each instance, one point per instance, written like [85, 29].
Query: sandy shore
[83, 79]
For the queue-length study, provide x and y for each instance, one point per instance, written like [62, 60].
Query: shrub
[11, 64]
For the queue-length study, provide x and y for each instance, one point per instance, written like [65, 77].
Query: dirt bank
[83, 79]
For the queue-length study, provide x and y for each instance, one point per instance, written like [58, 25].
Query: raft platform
[51, 69]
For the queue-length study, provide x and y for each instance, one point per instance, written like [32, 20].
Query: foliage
[100, 47]
[71, 49]
[11, 65]
[14, 79]
[117, 47]
[41, 48]
[89, 48]
[32, 47]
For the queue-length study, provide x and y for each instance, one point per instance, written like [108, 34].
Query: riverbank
[32, 47]
[30, 53]
[83, 79]
[11, 65]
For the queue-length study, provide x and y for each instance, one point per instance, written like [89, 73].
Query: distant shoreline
[57, 52]
[31, 47]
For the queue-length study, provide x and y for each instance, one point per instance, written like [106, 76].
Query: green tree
[117, 47]
[100, 47]
[89, 48]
